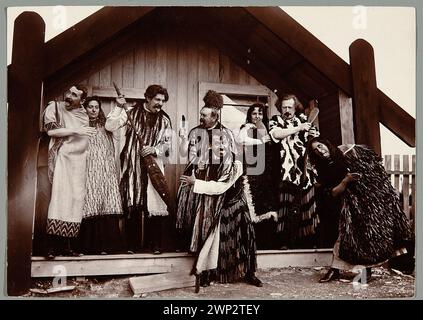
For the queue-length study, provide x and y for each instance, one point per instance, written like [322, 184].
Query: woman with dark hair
[100, 232]
[372, 225]
[258, 159]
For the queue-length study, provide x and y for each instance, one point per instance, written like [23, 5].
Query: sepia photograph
[211, 152]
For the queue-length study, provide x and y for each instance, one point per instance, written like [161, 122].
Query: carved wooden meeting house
[244, 53]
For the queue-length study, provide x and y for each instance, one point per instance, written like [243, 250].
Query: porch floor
[145, 263]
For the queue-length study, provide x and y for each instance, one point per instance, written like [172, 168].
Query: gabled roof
[265, 41]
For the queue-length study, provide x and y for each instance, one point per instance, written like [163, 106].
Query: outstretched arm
[117, 118]
[65, 132]
[214, 187]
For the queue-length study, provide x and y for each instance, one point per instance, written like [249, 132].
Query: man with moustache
[67, 123]
[195, 211]
[139, 198]
[290, 130]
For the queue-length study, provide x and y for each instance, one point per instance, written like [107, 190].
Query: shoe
[368, 276]
[50, 255]
[332, 274]
[254, 281]
[197, 283]
[204, 280]
[72, 253]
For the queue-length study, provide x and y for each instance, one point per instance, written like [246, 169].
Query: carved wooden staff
[311, 118]
[157, 178]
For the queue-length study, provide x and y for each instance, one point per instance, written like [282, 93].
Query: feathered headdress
[213, 99]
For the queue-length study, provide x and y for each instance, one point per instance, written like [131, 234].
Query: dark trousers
[138, 237]
[58, 245]
[133, 225]
[154, 232]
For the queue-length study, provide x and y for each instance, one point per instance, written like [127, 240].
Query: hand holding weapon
[157, 178]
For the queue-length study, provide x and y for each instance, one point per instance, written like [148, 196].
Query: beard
[68, 104]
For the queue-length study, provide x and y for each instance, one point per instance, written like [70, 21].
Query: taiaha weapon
[313, 115]
[157, 178]
[310, 119]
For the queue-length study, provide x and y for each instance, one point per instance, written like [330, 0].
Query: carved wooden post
[24, 94]
[365, 95]
[346, 117]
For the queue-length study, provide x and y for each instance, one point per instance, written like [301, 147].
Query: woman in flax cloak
[260, 159]
[372, 225]
[100, 232]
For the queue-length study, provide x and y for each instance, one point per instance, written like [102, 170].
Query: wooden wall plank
[192, 79]
[170, 108]
[244, 77]
[234, 73]
[253, 81]
[329, 118]
[203, 61]
[117, 72]
[214, 64]
[161, 62]
[224, 69]
[150, 63]
[105, 76]
[139, 67]
[182, 78]
[94, 79]
[128, 70]
[189, 111]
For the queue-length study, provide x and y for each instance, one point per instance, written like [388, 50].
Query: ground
[281, 283]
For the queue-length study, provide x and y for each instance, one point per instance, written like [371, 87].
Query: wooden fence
[404, 180]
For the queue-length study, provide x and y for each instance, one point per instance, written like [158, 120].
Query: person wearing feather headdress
[290, 130]
[211, 147]
[372, 225]
[194, 211]
[227, 253]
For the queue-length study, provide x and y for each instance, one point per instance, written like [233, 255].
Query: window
[236, 100]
